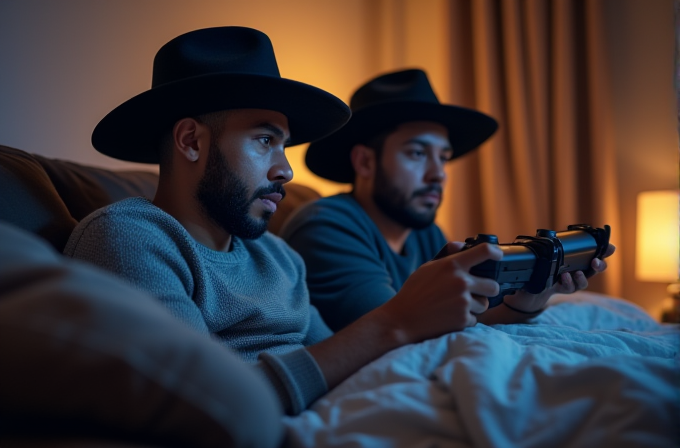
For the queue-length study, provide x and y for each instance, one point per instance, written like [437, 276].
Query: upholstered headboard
[49, 196]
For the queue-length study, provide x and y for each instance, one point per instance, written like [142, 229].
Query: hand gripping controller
[534, 263]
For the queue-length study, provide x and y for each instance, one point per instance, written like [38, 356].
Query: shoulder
[340, 211]
[429, 240]
[128, 210]
[131, 221]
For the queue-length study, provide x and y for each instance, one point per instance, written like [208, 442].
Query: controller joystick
[483, 238]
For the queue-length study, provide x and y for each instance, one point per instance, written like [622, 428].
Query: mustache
[273, 188]
[434, 188]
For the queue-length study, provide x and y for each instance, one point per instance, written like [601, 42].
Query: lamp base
[671, 309]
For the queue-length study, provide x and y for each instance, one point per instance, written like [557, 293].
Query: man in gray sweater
[218, 118]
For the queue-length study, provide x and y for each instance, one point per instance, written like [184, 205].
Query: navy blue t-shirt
[350, 268]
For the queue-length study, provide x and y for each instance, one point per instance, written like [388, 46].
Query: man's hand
[439, 297]
[567, 284]
[442, 296]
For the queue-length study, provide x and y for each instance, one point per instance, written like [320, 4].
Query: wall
[67, 63]
[641, 39]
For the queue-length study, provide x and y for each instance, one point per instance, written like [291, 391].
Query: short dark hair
[215, 122]
[376, 140]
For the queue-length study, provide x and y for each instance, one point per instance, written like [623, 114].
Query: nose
[280, 170]
[435, 171]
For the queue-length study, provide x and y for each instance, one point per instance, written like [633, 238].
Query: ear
[363, 160]
[189, 136]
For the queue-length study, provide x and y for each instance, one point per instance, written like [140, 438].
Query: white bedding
[590, 371]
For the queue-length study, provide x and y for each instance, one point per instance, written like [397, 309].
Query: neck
[180, 203]
[394, 233]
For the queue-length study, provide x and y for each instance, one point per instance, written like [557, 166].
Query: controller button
[545, 233]
[486, 238]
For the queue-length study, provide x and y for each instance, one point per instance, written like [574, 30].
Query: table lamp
[657, 252]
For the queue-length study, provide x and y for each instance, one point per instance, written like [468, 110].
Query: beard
[396, 205]
[225, 200]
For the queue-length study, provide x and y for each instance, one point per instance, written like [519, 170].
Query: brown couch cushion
[29, 200]
[49, 196]
[84, 189]
[296, 195]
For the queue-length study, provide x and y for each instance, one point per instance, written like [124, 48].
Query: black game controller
[534, 263]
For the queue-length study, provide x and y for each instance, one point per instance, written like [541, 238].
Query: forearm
[301, 377]
[356, 345]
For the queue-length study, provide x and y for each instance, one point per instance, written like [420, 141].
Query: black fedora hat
[209, 70]
[385, 102]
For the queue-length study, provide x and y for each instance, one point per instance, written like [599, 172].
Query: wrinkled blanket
[590, 371]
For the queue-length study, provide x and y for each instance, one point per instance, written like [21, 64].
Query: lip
[270, 201]
[273, 197]
[431, 197]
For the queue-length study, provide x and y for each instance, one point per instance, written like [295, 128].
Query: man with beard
[217, 119]
[361, 247]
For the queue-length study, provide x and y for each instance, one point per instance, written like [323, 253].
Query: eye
[415, 153]
[266, 140]
[447, 156]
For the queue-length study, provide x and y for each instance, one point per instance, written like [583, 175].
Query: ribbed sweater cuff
[296, 377]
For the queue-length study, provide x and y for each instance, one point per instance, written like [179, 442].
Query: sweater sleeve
[149, 256]
[296, 378]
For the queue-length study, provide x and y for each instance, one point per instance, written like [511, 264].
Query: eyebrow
[277, 131]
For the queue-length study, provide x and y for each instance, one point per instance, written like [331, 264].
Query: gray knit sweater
[253, 298]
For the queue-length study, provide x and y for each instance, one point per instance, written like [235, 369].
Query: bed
[591, 370]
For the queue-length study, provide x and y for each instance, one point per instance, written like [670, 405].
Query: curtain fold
[540, 68]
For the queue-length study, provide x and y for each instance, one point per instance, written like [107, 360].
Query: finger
[484, 287]
[580, 281]
[479, 304]
[450, 248]
[478, 254]
[610, 251]
[455, 246]
[598, 265]
[471, 320]
[566, 284]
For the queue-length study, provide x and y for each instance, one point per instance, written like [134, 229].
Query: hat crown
[221, 50]
[210, 70]
[403, 86]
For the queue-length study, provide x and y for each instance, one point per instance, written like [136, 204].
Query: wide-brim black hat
[382, 104]
[210, 70]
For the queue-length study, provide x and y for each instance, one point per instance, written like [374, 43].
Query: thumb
[450, 248]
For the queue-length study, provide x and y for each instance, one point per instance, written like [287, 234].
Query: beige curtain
[539, 67]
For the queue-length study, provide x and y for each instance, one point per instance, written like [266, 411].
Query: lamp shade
[658, 236]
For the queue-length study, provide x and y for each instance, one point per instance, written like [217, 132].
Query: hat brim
[132, 131]
[329, 157]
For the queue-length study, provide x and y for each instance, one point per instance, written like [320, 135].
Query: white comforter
[590, 371]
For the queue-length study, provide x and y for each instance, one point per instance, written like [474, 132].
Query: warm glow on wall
[658, 241]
